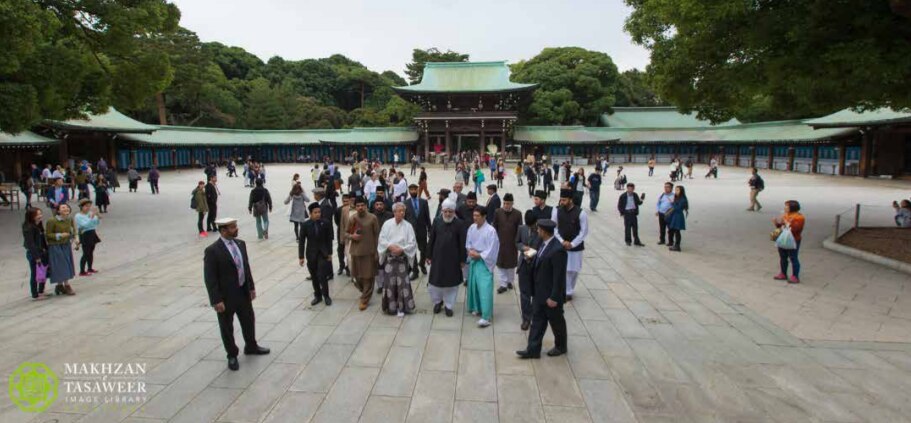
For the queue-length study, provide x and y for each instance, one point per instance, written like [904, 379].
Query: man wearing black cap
[532, 178]
[572, 229]
[493, 203]
[317, 253]
[506, 223]
[417, 213]
[466, 211]
[229, 282]
[628, 206]
[443, 196]
[541, 210]
[547, 291]
[381, 196]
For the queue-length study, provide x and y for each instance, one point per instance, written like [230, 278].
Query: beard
[448, 219]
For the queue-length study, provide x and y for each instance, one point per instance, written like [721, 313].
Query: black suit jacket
[211, 194]
[492, 205]
[549, 274]
[420, 221]
[327, 211]
[621, 204]
[313, 246]
[220, 274]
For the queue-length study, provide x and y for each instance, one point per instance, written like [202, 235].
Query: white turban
[449, 205]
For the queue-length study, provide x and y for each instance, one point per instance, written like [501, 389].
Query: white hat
[225, 221]
[449, 204]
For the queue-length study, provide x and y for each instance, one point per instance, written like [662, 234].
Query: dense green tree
[415, 69]
[575, 85]
[265, 107]
[64, 58]
[797, 58]
[633, 90]
[235, 62]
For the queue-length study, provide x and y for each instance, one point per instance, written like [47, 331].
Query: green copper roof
[655, 117]
[465, 77]
[112, 121]
[765, 132]
[560, 135]
[25, 138]
[192, 136]
[850, 118]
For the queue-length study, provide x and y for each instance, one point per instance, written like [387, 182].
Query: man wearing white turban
[445, 255]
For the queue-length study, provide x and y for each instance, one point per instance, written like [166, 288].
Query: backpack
[260, 208]
[193, 200]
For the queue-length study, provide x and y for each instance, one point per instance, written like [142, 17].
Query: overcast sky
[381, 34]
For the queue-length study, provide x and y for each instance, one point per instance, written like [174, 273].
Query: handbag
[774, 234]
[260, 208]
[41, 273]
[786, 240]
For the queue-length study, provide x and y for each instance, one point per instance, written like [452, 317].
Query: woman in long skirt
[102, 199]
[59, 232]
[398, 297]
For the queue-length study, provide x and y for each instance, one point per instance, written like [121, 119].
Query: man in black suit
[337, 217]
[548, 292]
[493, 203]
[229, 281]
[212, 202]
[315, 249]
[628, 206]
[328, 210]
[417, 213]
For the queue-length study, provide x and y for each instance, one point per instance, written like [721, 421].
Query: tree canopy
[800, 58]
[633, 90]
[64, 58]
[575, 85]
[415, 69]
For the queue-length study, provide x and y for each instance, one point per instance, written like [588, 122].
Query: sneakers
[85, 274]
[793, 280]
[203, 234]
[400, 314]
[91, 271]
[780, 277]
[483, 323]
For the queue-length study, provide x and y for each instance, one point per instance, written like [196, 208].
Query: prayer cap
[449, 205]
[541, 194]
[566, 193]
[547, 224]
[472, 196]
[508, 197]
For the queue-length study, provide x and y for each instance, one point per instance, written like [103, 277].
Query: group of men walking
[465, 243]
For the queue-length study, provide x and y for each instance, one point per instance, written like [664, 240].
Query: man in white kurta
[572, 229]
[396, 248]
[483, 246]
[370, 188]
[400, 189]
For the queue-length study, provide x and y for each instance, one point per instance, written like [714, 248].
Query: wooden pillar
[17, 164]
[771, 164]
[698, 154]
[154, 158]
[503, 144]
[842, 155]
[791, 154]
[133, 158]
[63, 153]
[815, 158]
[629, 154]
[426, 146]
[483, 139]
[866, 155]
[753, 156]
[448, 140]
[174, 157]
[112, 152]
[571, 155]
[723, 155]
[737, 157]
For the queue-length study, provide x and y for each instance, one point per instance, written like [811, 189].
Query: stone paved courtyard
[702, 335]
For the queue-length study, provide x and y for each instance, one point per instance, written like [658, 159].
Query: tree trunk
[162, 112]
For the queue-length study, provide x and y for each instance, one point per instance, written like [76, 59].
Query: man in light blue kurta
[482, 245]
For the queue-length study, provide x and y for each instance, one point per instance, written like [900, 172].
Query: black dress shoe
[438, 307]
[501, 290]
[639, 244]
[660, 242]
[509, 286]
[524, 354]
[233, 364]
[379, 290]
[525, 324]
[257, 351]
[448, 312]
[423, 269]
[316, 301]
[340, 270]
[413, 276]
[328, 301]
[347, 271]
[629, 244]
[569, 297]
[555, 352]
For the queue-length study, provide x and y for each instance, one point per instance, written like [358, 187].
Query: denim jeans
[262, 225]
[594, 197]
[785, 255]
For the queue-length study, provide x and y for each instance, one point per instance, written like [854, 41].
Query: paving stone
[207, 406]
[477, 376]
[556, 383]
[385, 409]
[322, 371]
[442, 352]
[399, 372]
[433, 398]
[373, 347]
[475, 412]
[258, 399]
[605, 401]
[518, 395]
[170, 400]
[295, 407]
[347, 398]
